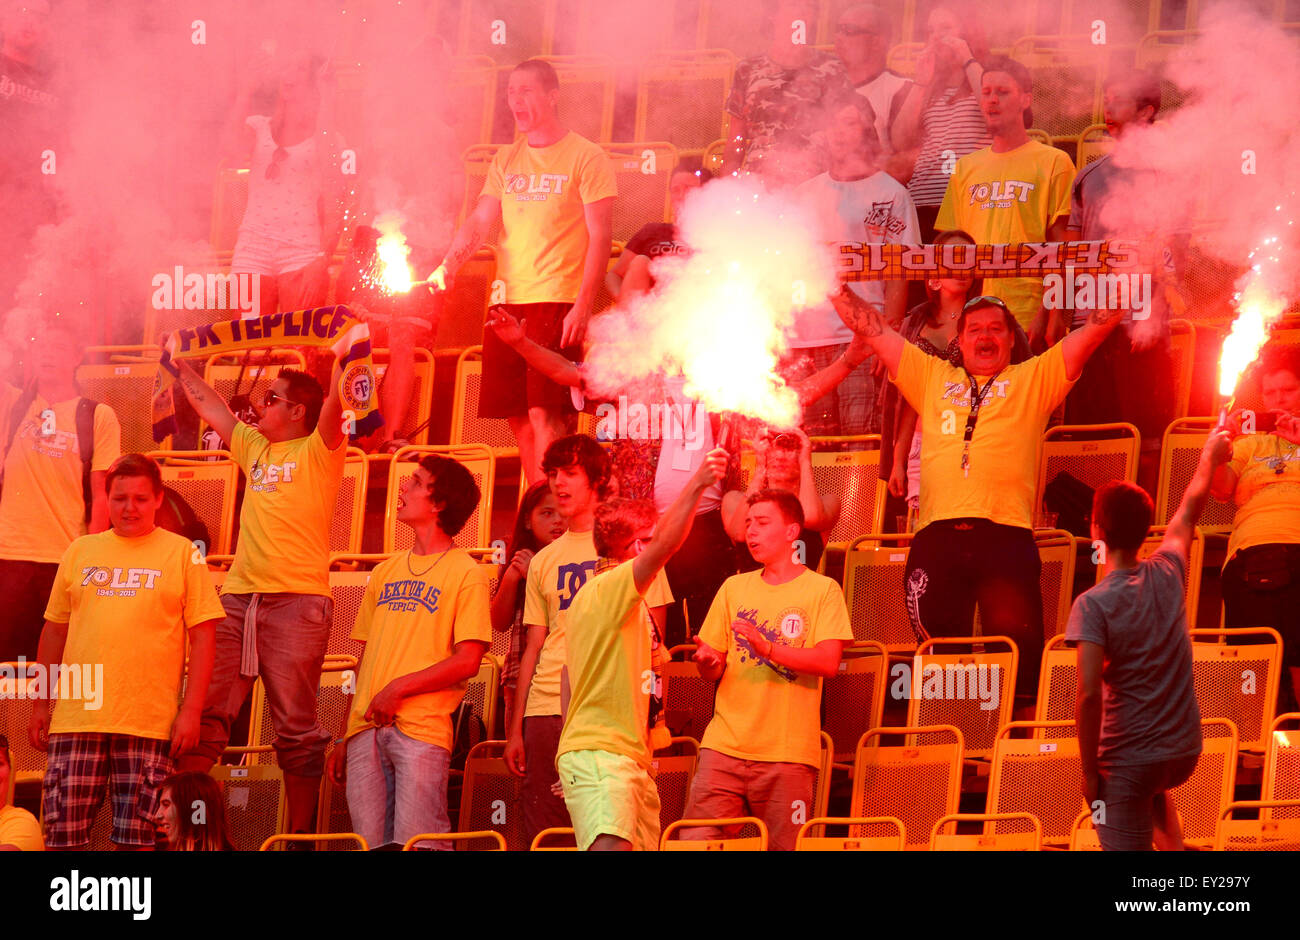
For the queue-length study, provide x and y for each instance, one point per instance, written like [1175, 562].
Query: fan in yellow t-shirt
[551, 193]
[113, 654]
[19, 830]
[613, 720]
[277, 596]
[425, 625]
[43, 505]
[1013, 191]
[770, 637]
[578, 469]
[982, 427]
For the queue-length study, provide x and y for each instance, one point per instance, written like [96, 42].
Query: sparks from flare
[1259, 306]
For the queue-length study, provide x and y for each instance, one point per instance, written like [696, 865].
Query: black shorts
[510, 386]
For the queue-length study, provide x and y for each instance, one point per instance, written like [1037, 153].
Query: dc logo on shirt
[569, 578]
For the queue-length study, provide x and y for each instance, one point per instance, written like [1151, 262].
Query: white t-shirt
[880, 91]
[875, 210]
[285, 206]
[681, 456]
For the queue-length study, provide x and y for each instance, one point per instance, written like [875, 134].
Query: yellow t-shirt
[764, 712]
[611, 674]
[20, 829]
[554, 577]
[1008, 199]
[1007, 443]
[284, 527]
[411, 621]
[41, 507]
[127, 603]
[544, 231]
[1267, 494]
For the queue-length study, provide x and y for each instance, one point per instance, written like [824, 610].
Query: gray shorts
[1130, 796]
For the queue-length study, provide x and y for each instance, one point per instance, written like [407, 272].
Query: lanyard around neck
[977, 396]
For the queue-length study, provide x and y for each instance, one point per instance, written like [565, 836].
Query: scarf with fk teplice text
[332, 327]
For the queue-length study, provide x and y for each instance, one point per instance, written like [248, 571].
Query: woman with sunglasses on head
[294, 214]
[784, 462]
[982, 425]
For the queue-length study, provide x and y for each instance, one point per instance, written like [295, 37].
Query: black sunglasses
[269, 399]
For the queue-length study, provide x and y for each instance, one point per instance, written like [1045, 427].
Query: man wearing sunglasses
[277, 594]
[982, 425]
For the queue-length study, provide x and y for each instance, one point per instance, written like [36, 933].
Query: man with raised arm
[277, 594]
[1139, 724]
[982, 427]
[613, 718]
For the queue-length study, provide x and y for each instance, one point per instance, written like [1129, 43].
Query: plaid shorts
[81, 765]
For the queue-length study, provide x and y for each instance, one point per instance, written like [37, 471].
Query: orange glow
[394, 272]
[1257, 310]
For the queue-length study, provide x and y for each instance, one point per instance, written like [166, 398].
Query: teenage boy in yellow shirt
[612, 716]
[122, 605]
[277, 594]
[770, 637]
[425, 625]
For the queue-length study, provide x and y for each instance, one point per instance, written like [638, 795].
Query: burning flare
[394, 272]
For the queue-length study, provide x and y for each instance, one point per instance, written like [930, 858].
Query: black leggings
[955, 563]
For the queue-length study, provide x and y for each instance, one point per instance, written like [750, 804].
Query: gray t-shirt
[1149, 702]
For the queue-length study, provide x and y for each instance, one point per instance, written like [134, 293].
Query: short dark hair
[453, 486]
[616, 520]
[579, 450]
[1019, 74]
[1140, 85]
[788, 504]
[543, 71]
[306, 391]
[979, 303]
[1122, 511]
[135, 465]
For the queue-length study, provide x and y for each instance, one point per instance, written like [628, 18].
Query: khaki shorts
[609, 794]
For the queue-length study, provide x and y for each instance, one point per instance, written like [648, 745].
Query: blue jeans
[1129, 794]
[397, 787]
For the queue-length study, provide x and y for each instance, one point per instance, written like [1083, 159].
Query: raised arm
[330, 422]
[1178, 534]
[868, 321]
[1083, 342]
[824, 381]
[675, 524]
[209, 406]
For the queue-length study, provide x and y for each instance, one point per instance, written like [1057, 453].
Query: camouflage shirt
[779, 107]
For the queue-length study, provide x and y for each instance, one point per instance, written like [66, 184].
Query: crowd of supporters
[625, 547]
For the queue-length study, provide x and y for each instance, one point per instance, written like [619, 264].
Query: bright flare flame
[394, 272]
[1259, 306]
[718, 317]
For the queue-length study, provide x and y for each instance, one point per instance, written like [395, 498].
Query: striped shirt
[946, 125]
